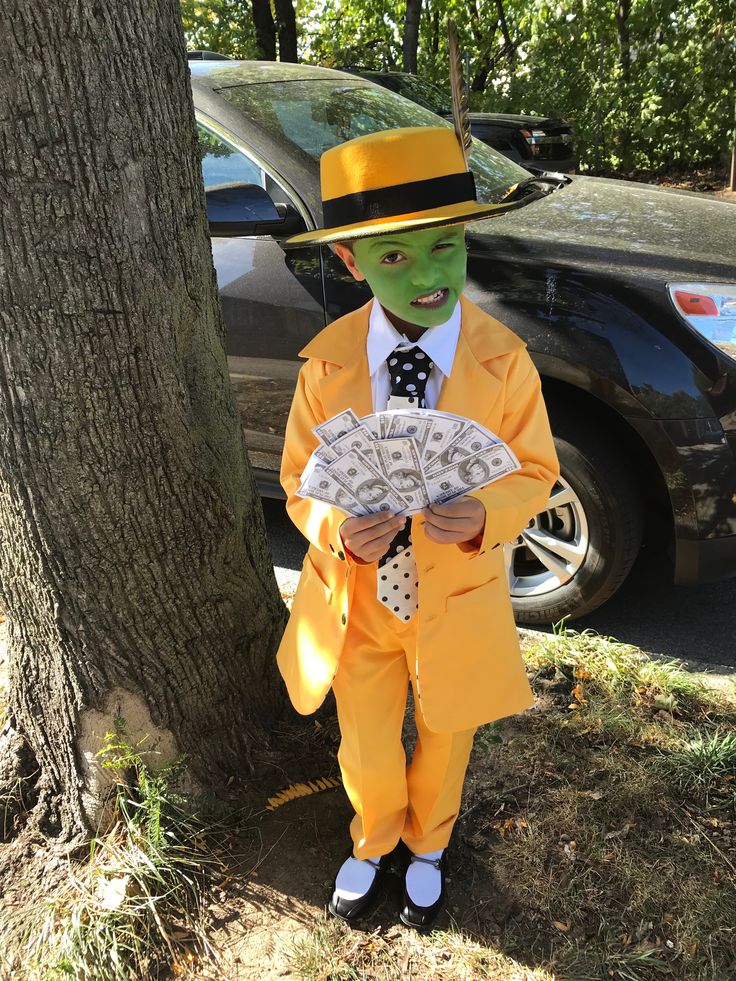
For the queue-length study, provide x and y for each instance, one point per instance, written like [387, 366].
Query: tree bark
[509, 44]
[411, 35]
[484, 43]
[134, 567]
[286, 26]
[265, 29]
[623, 11]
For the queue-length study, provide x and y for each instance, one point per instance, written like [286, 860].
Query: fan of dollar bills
[402, 460]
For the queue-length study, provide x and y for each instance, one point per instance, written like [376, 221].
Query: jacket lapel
[342, 345]
[350, 386]
[473, 388]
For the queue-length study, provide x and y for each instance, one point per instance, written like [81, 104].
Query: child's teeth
[430, 299]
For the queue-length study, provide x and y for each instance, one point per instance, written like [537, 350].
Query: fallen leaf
[621, 833]
[665, 701]
[111, 892]
[577, 693]
[564, 927]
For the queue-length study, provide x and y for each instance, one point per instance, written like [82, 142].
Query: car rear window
[312, 116]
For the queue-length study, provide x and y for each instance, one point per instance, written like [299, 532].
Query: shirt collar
[438, 343]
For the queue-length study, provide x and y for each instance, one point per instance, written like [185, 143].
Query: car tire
[574, 555]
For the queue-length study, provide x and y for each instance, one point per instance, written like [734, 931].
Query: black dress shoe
[425, 917]
[352, 909]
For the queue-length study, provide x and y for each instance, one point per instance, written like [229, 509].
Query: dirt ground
[705, 181]
[290, 856]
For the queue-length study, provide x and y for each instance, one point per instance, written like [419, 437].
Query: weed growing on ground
[334, 952]
[133, 910]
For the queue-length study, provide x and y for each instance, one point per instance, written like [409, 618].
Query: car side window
[223, 164]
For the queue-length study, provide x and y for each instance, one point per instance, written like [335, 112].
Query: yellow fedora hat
[395, 180]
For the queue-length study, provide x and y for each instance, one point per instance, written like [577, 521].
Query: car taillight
[710, 308]
[529, 137]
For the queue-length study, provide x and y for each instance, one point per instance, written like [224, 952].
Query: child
[396, 203]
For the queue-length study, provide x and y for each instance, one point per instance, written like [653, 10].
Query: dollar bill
[444, 430]
[360, 439]
[417, 425]
[319, 485]
[324, 454]
[332, 429]
[366, 483]
[473, 471]
[372, 423]
[471, 438]
[401, 464]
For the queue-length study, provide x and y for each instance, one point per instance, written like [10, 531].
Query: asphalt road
[693, 623]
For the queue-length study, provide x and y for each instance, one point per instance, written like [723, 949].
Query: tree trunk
[434, 44]
[134, 567]
[411, 35]
[286, 24]
[484, 41]
[623, 11]
[265, 29]
[509, 44]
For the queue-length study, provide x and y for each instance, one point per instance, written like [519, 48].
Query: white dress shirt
[438, 343]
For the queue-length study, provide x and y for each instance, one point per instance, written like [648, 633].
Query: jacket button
[341, 556]
[344, 619]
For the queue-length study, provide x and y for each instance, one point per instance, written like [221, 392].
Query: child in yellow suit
[375, 612]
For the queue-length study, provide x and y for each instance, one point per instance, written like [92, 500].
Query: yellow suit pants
[418, 803]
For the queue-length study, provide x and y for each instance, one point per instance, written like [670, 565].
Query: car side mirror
[241, 209]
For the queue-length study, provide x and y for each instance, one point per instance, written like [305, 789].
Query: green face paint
[401, 270]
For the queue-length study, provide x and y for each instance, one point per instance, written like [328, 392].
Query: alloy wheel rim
[552, 548]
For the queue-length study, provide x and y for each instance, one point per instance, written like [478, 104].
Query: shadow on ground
[282, 878]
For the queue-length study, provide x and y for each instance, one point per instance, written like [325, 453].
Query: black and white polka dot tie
[398, 582]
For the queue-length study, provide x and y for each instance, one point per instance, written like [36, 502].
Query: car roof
[221, 74]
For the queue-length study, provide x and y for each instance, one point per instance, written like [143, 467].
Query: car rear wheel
[575, 553]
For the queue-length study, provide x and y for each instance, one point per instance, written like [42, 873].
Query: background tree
[265, 29]
[134, 567]
[286, 28]
[411, 35]
[225, 26]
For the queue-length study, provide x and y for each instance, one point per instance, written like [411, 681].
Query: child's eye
[444, 245]
[392, 258]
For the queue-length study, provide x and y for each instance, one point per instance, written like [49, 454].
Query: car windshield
[312, 116]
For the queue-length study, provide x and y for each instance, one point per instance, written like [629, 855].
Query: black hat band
[399, 199]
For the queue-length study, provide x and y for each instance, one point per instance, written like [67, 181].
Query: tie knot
[409, 370]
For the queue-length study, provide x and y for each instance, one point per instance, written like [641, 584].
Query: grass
[133, 909]
[334, 952]
[605, 820]
[597, 841]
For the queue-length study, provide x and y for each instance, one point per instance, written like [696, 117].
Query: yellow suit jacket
[467, 647]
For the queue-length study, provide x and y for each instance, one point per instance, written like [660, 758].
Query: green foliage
[705, 760]
[661, 98]
[652, 91]
[222, 26]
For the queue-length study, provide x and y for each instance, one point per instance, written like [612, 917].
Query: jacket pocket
[313, 578]
[473, 594]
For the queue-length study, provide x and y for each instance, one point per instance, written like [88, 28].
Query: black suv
[532, 141]
[624, 293]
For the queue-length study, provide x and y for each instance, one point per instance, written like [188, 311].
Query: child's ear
[343, 250]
